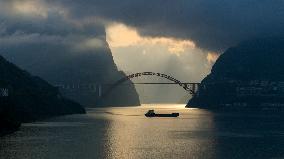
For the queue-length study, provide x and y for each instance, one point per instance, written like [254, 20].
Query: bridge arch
[185, 86]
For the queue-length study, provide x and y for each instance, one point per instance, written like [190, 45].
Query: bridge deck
[164, 83]
[153, 83]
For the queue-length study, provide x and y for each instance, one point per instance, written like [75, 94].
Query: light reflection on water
[127, 133]
[140, 137]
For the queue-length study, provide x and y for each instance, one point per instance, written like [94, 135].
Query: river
[126, 133]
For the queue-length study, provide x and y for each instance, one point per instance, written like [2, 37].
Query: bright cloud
[120, 35]
[35, 7]
[212, 57]
[91, 44]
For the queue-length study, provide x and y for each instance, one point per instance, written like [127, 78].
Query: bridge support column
[99, 90]
[193, 88]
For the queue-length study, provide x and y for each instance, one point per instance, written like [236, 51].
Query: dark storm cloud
[212, 24]
[41, 22]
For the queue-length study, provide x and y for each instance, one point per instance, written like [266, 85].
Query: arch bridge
[190, 87]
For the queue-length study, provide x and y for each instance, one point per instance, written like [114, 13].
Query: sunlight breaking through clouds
[133, 52]
[212, 57]
[120, 35]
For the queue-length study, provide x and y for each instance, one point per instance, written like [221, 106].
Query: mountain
[250, 76]
[76, 72]
[25, 98]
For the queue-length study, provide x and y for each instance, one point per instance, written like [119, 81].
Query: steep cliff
[249, 75]
[27, 98]
[75, 71]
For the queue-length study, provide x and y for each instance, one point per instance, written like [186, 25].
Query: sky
[182, 38]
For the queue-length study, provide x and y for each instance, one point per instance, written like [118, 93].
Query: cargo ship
[151, 113]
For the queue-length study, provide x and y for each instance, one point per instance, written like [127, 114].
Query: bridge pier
[99, 90]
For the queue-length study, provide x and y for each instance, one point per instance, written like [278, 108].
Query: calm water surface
[126, 133]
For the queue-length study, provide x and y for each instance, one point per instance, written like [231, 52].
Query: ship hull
[162, 115]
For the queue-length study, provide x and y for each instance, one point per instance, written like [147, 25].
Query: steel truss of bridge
[189, 87]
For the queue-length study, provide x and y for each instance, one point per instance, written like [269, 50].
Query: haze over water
[127, 133]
